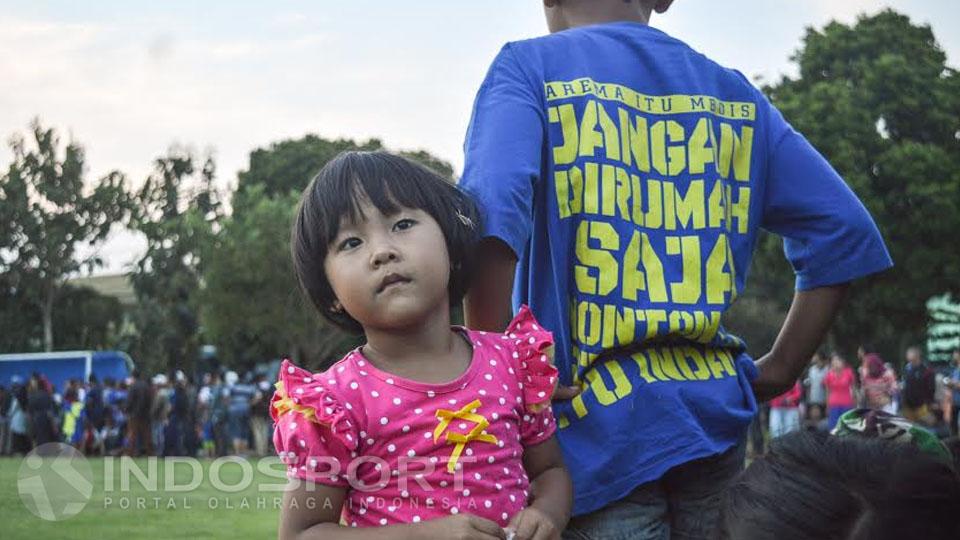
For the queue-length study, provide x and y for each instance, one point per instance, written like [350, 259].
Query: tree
[46, 212]
[253, 309]
[290, 164]
[177, 210]
[878, 100]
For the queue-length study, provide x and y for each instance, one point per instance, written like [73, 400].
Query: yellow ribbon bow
[286, 404]
[459, 440]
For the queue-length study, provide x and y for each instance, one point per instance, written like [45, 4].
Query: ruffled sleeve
[536, 374]
[313, 434]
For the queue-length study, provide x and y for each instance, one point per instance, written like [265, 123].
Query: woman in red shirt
[840, 384]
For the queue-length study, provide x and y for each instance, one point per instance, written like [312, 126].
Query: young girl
[427, 430]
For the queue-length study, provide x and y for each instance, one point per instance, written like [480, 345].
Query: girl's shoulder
[322, 397]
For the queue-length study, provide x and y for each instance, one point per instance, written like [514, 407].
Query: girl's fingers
[526, 528]
[487, 528]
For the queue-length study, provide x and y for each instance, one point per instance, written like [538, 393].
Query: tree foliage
[177, 209]
[46, 212]
[878, 100]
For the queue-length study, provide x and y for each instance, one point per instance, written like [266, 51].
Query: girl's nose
[383, 254]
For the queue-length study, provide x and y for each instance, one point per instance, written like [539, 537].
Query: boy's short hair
[389, 182]
[814, 485]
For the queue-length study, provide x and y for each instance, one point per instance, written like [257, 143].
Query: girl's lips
[390, 280]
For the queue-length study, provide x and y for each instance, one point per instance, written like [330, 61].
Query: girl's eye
[348, 243]
[404, 224]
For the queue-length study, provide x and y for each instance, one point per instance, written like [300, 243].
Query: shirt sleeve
[314, 436]
[828, 235]
[503, 150]
[536, 376]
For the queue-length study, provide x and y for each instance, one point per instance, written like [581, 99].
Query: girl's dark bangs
[366, 178]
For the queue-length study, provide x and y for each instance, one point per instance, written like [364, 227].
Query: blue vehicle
[59, 367]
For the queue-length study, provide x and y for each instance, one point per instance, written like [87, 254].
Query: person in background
[19, 421]
[785, 412]
[840, 383]
[160, 412]
[940, 407]
[111, 436]
[816, 398]
[72, 428]
[953, 383]
[204, 416]
[918, 388]
[218, 416]
[92, 416]
[42, 411]
[5, 399]
[139, 404]
[191, 435]
[260, 423]
[177, 422]
[878, 384]
[93, 403]
[241, 397]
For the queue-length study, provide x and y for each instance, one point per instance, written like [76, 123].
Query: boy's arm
[810, 316]
[487, 305]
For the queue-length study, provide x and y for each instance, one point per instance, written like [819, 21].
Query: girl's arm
[551, 494]
[314, 514]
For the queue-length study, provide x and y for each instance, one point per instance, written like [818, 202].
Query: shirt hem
[587, 502]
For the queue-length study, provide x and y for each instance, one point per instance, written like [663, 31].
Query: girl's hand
[461, 527]
[533, 524]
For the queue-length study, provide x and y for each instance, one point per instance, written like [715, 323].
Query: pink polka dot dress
[408, 451]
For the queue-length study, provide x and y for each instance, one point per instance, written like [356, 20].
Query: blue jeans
[683, 504]
[783, 420]
[836, 413]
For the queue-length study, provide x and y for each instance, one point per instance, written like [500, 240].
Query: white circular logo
[55, 481]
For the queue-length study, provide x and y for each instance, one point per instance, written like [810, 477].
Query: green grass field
[210, 510]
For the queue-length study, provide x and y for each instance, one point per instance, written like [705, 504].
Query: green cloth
[883, 425]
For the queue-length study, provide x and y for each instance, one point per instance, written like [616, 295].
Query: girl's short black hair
[814, 485]
[389, 182]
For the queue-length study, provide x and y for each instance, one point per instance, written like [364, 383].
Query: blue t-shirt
[630, 175]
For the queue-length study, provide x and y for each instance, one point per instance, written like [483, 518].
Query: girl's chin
[402, 311]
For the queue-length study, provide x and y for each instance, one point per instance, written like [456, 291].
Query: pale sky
[129, 79]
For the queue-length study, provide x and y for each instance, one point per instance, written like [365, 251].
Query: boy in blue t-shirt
[623, 179]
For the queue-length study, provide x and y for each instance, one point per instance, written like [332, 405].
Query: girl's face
[392, 271]
[837, 363]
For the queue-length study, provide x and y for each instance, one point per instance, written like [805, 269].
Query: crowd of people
[921, 393]
[166, 415]
[173, 416]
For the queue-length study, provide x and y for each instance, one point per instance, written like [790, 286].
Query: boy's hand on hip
[565, 392]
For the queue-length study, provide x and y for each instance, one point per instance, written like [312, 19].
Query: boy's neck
[566, 15]
[587, 19]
